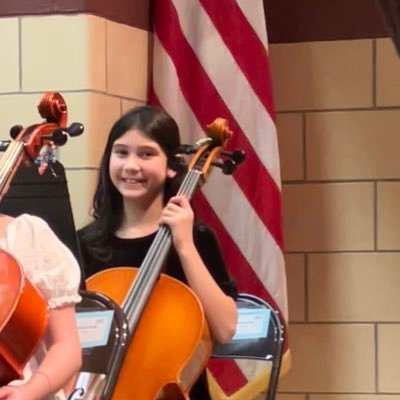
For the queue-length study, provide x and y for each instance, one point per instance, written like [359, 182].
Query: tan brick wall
[338, 106]
[99, 66]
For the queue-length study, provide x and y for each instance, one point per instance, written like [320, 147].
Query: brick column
[94, 54]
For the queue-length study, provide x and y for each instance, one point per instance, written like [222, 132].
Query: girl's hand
[178, 215]
[11, 393]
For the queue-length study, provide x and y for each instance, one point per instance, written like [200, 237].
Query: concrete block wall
[338, 120]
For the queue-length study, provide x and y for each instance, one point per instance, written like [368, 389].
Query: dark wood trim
[288, 21]
[22, 7]
[130, 12]
[291, 21]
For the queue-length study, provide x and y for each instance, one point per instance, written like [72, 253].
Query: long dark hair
[107, 201]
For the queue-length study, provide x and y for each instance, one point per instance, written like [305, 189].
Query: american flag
[210, 60]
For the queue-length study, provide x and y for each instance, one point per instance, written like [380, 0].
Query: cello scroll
[23, 309]
[210, 151]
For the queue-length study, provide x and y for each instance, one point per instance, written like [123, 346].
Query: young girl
[139, 175]
[51, 267]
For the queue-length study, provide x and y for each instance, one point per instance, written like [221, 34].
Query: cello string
[7, 158]
[160, 237]
[8, 161]
[163, 231]
[187, 188]
[154, 259]
[151, 265]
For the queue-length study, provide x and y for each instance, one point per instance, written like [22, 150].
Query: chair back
[256, 343]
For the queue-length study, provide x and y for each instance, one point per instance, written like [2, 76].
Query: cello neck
[137, 296]
[9, 163]
[208, 153]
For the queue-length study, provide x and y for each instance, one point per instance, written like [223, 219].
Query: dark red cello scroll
[23, 310]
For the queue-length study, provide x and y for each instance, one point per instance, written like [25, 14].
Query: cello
[22, 307]
[149, 364]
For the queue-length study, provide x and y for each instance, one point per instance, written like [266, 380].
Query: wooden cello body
[169, 349]
[23, 309]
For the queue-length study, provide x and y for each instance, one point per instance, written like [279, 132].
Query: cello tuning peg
[236, 155]
[75, 129]
[186, 149]
[227, 166]
[4, 145]
[15, 130]
[59, 137]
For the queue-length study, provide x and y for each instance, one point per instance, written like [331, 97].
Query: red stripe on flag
[195, 91]
[230, 376]
[245, 46]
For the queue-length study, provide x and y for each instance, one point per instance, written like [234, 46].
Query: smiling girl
[139, 175]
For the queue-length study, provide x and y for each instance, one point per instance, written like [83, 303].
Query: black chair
[268, 348]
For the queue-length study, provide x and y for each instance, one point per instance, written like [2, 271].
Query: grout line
[374, 73]
[375, 216]
[306, 300]
[376, 358]
[304, 133]
[20, 52]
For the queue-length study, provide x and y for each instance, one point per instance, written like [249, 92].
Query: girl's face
[138, 167]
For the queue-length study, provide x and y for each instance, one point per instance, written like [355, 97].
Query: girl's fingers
[178, 207]
[181, 200]
[172, 206]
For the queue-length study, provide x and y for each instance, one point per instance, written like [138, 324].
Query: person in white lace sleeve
[52, 268]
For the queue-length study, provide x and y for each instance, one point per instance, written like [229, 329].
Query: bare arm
[220, 309]
[62, 360]
[51, 267]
